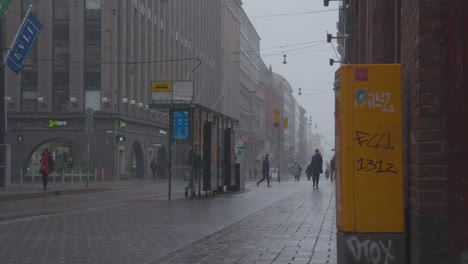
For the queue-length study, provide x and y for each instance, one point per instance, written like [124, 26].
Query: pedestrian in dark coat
[309, 172]
[265, 171]
[332, 167]
[45, 168]
[316, 165]
[154, 168]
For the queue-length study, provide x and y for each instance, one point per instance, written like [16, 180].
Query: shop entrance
[69, 156]
[136, 162]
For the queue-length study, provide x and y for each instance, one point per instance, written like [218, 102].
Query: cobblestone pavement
[288, 223]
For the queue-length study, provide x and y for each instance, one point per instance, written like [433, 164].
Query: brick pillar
[424, 77]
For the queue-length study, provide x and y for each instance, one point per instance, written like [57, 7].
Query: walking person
[298, 172]
[265, 171]
[316, 165]
[308, 172]
[45, 169]
[154, 168]
[332, 168]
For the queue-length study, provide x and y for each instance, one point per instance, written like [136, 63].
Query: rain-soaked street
[288, 223]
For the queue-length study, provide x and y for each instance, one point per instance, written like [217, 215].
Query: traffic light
[331, 62]
[19, 139]
[326, 2]
[329, 38]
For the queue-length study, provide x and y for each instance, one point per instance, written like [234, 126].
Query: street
[288, 223]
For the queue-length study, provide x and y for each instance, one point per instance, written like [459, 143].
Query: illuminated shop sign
[57, 123]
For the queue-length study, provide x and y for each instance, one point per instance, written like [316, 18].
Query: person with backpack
[47, 167]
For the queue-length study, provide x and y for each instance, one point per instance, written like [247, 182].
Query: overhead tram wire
[166, 60]
[295, 14]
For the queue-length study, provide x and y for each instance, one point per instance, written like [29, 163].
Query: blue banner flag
[22, 45]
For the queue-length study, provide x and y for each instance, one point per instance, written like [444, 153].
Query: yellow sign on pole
[369, 157]
[285, 123]
[161, 87]
[276, 117]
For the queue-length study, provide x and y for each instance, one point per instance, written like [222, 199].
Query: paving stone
[289, 223]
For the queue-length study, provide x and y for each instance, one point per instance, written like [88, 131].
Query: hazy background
[308, 67]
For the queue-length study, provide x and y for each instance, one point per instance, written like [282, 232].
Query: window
[93, 54]
[93, 4]
[93, 100]
[60, 96]
[61, 54]
[93, 9]
[61, 32]
[93, 33]
[92, 80]
[29, 91]
[61, 10]
[29, 80]
[29, 101]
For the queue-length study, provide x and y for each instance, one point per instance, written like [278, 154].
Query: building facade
[251, 95]
[103, 55]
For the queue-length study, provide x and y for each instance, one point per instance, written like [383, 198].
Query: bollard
[80, 175]
[95, 175]
[72, 177]
[63, 176]
[21, 176]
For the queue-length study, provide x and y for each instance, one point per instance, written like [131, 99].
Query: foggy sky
[306, 68]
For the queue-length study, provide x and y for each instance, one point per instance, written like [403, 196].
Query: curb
[25, 196]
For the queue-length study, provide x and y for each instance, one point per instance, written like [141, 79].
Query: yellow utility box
[368, 161]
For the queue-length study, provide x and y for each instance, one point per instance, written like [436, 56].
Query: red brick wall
[424, 59]
[372, 31]
[424, 83]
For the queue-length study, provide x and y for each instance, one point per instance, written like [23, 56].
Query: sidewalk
[288, 223]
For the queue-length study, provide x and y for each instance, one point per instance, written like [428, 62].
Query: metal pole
[279, 153]
[192, 171]
[87, 174]
[200, 164]
[171, 128]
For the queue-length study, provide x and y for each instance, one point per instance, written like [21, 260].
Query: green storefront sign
[57, 123]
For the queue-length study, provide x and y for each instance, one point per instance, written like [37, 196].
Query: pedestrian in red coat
[45, 169]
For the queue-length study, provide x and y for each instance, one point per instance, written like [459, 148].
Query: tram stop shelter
[201, 142]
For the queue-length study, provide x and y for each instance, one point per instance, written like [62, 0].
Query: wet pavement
[287, 223]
